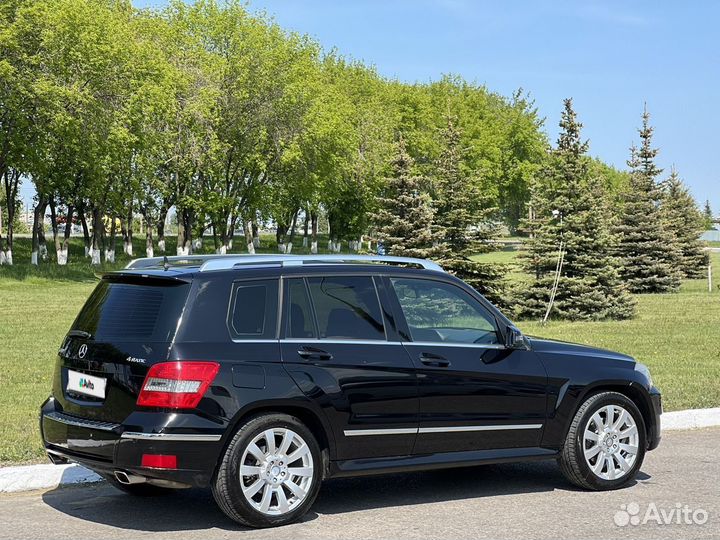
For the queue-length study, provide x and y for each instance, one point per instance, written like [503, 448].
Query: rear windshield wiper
[80, 333]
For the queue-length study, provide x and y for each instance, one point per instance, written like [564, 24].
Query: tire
[292, 482]
[607, 462]
[139, 490]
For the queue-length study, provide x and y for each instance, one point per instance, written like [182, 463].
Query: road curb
[47, 476]
[691, 419]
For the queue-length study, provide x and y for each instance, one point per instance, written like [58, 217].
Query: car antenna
[166, 264]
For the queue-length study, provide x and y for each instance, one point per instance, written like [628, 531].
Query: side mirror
[514, 338]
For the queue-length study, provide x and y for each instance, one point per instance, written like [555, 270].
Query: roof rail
[231, 261]
[173, 260]
[224, 262]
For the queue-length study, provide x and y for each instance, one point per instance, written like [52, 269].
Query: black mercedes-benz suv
[260, 376]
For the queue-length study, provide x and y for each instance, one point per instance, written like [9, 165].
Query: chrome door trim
[455, 344]
[453, 429]
[450, 429]
[396, 431]
[319, 342]
[190, 437]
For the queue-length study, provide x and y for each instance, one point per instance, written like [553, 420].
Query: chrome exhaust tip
[129, 478]
[56, 460]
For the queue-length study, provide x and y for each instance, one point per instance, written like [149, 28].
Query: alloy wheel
[276, 471]
[610, 442]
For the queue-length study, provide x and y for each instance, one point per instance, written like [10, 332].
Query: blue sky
[610, 56]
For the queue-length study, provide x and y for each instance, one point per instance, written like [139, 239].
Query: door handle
[430, 359]
[313, 353]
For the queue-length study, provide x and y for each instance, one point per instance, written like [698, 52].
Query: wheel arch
[312, 419]
[630, 390]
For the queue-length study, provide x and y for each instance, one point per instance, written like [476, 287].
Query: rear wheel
[270, 473]
[605, 444]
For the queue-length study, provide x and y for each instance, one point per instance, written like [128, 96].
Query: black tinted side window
[300, 323]
[253, 309]
[347, 307]
[439, 312]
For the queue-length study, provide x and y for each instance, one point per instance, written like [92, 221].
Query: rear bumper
[654, 431]
[106, 447]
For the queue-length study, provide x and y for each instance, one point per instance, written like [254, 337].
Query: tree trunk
[233, 224]
[248, 230]
[314, 229]
[110, 248]
[184, 238]
[128, 239]
[96, 236]
[306, 226]
[289, 246]
[149, 250]
[161, 227]
[2, 244]
[53, 224]
[255, 234]
[62, 250]
[280, 233]
[42, 238]
[11, 179]
[86, 231]
[36, 229]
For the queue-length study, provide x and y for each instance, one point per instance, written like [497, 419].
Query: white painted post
[710, 277]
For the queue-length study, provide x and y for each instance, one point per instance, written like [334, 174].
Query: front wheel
[270, 473]
[605, 444]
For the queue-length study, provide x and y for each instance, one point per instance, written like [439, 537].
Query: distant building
[711, 236]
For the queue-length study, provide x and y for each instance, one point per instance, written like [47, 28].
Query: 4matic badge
[135, 360]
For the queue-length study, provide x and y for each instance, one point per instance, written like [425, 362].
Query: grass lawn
[676, 335]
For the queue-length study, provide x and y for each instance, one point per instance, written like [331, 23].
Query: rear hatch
[126, 326]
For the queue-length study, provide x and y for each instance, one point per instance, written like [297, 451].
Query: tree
[18, 41]
[571, 247]
[405, 214]
[647, 249]
[464, 218]
[682, 218]
[708, 216]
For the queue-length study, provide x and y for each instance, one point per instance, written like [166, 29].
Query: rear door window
[346, 307]
[254, 309]
[300, 318]
[129, 311]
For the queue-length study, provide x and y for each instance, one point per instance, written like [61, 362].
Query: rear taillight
[177, 385]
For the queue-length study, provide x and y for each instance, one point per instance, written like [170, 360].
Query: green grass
[35, 315]
[676, 335]
[79, 269]
[509, 259]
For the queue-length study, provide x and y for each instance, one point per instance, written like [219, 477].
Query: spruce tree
[647, 248]
[707, 216]
[682, 218]
[464, 218]
[405, 213]
[572, 211]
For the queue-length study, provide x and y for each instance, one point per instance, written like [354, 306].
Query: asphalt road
[503, 501]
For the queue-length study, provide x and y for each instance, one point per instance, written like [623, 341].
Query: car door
[336, 348]
[475, 394]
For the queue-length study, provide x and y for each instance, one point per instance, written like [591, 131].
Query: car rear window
[118, 311]
[254, 309]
